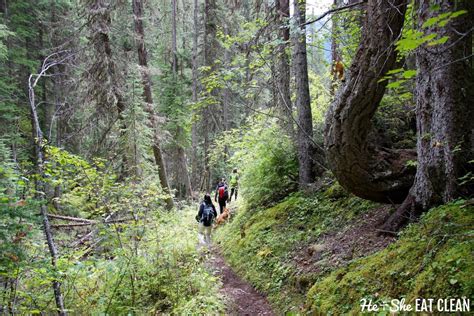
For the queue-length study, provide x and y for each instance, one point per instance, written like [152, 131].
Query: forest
[334, 139]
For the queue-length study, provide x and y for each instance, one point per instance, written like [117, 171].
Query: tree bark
[103, 70]
[444, 111]
[303, 100]
[226, 94]
[3, 7]
[194, 129]
[183, 181]
[137, 6]
[283, 94]
[335, 56]
[377, 174]
[210, 53]
[188, 192]
[173, 38]
[41, 187]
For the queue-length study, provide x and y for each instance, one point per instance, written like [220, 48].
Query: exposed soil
[344, 244]
[243, 299]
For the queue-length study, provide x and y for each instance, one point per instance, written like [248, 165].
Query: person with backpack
[234, 183]
[223, 193]
[206, 215]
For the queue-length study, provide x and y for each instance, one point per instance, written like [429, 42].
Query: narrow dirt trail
[243, 298]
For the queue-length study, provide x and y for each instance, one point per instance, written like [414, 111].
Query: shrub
[269, 171]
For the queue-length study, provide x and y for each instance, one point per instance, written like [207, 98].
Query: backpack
[223, 194]
[234, 179]
[207, 215]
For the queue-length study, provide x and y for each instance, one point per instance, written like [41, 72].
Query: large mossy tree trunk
[373, 173]
[444, 113]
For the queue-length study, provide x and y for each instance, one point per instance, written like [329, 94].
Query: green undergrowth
[155, 268]
[259, 243]
[168, 275]
[432, 259]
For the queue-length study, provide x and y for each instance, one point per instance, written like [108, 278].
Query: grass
[432, 258]
[167, 275]
[259, 243]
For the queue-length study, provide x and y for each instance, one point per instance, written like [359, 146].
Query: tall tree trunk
[194, 130]
[173, 38]
[210, 53]
[49, 108]
[137, 6]
[283, 94]
[182, 180]
[444, 112]
[3, 7]
[377, 174]
[183, 163]
[104, 69]
[59, 79]
[335, 56]
[303, 100]
[41, 187]
[226, 93]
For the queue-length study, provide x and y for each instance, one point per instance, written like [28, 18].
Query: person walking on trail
[206, 215]
[234, 184]
[222, 194]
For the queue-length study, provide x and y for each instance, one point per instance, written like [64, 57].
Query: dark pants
[232, 190]
[222, 204]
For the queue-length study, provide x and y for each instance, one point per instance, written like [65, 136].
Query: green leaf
[407, 74]
[431, 21]
[439, 41]
[394, 71]
[395, 84]
[458, 13]
[428, 37]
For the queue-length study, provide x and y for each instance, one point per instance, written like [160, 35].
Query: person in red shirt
[222, 194]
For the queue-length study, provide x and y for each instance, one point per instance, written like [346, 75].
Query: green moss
[432, 259]
[259, 243]
[335, 192]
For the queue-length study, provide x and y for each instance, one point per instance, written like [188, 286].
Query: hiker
[206, 215]
[223, 193]
[234, 183]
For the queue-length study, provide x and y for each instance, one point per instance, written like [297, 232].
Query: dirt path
[243, 298]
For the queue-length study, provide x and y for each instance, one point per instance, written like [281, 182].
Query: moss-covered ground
[432, 258]
[259, 243]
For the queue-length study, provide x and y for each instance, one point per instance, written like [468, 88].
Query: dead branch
[70, 225]
[71, 219]
[333, 11]
[83, 222]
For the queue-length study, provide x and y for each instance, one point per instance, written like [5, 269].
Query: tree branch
[333, 11]
[72, 219]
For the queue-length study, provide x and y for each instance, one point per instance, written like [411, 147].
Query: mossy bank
[297, 253]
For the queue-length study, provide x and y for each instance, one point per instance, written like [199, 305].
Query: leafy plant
[268, 171]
